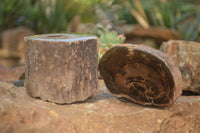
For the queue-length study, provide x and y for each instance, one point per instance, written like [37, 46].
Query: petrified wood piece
[141, 74]
[187, 56]
[61, 68]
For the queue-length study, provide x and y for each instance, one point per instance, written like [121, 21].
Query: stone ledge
[103, 113]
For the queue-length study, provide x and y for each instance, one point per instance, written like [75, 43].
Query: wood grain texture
[61, 69]
[142, 74]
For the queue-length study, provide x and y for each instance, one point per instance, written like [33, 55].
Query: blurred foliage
[84, 8]
[12, 13]
[44, 16]
[181, 15]
[136, 9]
[108, 27]
[108, 19]
[50, 17]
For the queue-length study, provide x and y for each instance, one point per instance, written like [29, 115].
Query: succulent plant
[108, 40]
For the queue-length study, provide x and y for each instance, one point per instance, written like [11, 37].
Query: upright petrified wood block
[142, 74]
[61, 68]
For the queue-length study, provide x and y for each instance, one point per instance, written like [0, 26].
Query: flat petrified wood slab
[103, 113]
[61, 68]
[142, 74]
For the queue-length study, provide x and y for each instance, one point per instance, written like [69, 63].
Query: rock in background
[12, 46]
[187, 56]
[154, 35]
[11, 74]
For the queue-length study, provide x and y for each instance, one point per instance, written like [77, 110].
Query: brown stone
[102, 113]
[13, 42]
[12, 50]
[10, 62]
[141, 74]
[61, 68]
[152, 32]
[11, 74]
[187, 57]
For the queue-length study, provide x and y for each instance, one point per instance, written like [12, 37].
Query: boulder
[157, 33]
[13, 43]
[103, 113]
[187, 56]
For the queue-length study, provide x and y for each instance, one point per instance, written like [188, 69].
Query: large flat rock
[103, 113]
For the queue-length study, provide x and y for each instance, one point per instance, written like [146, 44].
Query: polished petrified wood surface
[142, 74]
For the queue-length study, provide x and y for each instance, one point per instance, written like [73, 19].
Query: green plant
[43, 16]
[108, 26]
[108, 40]
[15, 13]
[50, 17]
[190, 29]
[12, 13]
